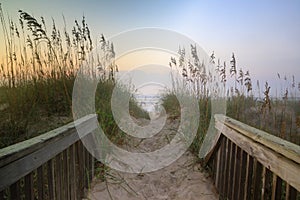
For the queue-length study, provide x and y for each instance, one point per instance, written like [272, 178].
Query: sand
[184, 179]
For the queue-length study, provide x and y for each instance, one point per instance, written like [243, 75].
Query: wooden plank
[23, 166]
[90, 169]
[231, 175]
[276, 187]
[230, 144]
[28, 188]
[19, 150]
[236, 173]
[283, 147]
[92, 153]
[67, 173]
[241, 177]
[15, 191]
[274, 182]
[268, 184]
[51, 179]
[217, 172]
[77, 166]
[91, 164]
[279, 191]
[40, 183]
[87, 169]
[291, 193]
[61, 176]
[72, 166]
[221, 163]
[79, 169]
[213, 164]
[248, 181]
[263, 185]
[58, 177]
[19, 168]
[83, 174]
[64, 177]
[287, 192]
[93, 167]
[253, 186]
[243, 170]
[227, 165]
[280, 165]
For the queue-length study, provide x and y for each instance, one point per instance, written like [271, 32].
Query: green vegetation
[38, 74]
[40, 66]
[279, 116]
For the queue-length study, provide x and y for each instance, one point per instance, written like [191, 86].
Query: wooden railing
[55, 165]
[247, 163]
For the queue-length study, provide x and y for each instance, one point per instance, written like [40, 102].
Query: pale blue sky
[265, 35]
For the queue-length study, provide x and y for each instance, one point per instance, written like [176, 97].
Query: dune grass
[277, 115]
[38, 74]
[40, 65]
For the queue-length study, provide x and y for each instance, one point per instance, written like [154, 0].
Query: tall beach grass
[278, 115]
[38, 73]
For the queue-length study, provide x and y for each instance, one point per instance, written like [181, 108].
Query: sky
[263, 34]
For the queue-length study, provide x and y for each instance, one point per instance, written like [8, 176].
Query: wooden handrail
[286, 148]
[247, 162]
[46, 151]
[21, 149]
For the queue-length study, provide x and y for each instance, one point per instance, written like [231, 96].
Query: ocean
[150, 103]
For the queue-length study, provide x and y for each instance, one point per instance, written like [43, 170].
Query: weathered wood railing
[55, 165]
[247, 163]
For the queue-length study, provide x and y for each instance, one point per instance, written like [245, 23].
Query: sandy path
[183, 179]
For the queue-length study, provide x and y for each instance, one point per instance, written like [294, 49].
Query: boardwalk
[244, 162]
[184, 179]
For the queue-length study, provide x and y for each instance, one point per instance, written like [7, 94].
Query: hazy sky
[264, 35]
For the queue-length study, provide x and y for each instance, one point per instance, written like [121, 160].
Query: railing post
[252, 164]
[54, 165]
